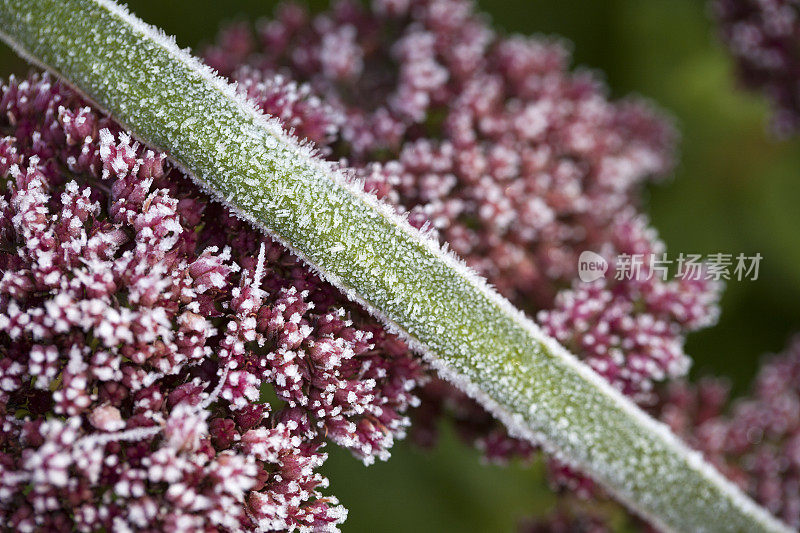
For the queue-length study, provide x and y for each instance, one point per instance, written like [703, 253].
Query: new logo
[591, 266]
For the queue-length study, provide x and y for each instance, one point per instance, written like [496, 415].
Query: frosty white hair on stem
[472, 336]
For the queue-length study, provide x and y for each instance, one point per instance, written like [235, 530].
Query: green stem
[472, 335]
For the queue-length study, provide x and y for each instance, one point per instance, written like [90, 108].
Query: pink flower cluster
[764, 38]
[143, 329]
[631, 330]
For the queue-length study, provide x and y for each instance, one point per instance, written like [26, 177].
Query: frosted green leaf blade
[469, 333]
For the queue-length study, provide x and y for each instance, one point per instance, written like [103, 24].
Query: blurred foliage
[736, 189]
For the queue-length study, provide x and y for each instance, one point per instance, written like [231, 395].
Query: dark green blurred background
[735, 190]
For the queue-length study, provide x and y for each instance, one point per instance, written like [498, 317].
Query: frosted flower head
[140, 326]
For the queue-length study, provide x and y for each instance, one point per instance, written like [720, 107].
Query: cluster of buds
[142, 331]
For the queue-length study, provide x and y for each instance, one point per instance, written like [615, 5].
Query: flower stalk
[469, 333]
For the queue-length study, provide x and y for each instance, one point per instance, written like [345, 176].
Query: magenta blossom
[140, 328]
